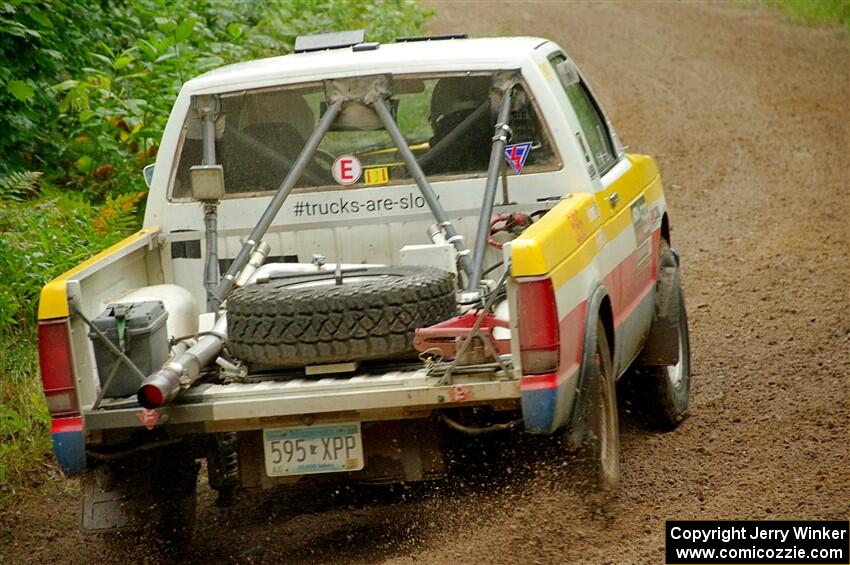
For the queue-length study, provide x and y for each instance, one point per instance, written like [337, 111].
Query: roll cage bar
[375, 92]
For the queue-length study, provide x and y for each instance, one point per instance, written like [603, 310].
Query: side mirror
[147, 172]
[207, 182]
[567, 73]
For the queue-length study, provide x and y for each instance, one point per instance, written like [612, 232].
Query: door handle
[613, 199]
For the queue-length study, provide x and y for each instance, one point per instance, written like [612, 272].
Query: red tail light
[57, 372]
[539, 332]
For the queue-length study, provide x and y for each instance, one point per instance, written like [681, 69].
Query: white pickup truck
[350, 250]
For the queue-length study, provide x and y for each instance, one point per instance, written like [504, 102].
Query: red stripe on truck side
[64, 425]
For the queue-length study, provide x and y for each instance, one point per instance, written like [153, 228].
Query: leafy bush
[24, 423]
[90, 83]
[19, 185]
[42, 239]
[85, 91]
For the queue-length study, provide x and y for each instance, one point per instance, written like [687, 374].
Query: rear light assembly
[539, 328]
[57, 371]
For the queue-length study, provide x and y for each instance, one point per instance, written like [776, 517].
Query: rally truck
[347, 253]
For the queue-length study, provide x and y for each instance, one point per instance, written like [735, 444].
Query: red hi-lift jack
[447, 338]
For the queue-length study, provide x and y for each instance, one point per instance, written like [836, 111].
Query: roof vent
[431, 37]
[337, 40]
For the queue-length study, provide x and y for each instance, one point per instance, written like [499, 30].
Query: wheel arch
[665, 228]
[605, 312]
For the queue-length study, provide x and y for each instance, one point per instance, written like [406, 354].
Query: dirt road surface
[748, 117]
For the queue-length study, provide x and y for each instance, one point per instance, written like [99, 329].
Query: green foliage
[89, 84]
[384, 20]
[19, 185]
[44, 238]
[816, 11]
[38, 42]
[24, 428]
[85, 90]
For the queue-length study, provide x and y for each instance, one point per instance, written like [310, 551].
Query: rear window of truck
[259, 133]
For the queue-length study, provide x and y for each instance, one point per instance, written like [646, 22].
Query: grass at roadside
[80, 133]
[816, 11]
[24, 423]
[44, 231]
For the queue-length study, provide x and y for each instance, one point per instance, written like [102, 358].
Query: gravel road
[748, 118]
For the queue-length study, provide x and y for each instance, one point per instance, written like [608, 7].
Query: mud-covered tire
[598, 458]
[299, 321]
[159, 492]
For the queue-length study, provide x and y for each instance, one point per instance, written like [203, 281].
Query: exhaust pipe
[183, 370]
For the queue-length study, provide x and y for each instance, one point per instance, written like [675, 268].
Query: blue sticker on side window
[516, 155]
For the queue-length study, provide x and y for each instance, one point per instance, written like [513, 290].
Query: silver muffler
[184, 369]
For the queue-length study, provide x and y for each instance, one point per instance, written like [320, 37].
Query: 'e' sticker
[379, 175]
[516, 155]
[347, 169]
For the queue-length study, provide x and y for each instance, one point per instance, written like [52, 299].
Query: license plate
[306, 450]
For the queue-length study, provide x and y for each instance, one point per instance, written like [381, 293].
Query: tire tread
[275, 324]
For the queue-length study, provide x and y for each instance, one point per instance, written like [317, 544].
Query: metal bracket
[504, 80]
[474, 332]
[366, 89]
[206, 105]
[504, 135]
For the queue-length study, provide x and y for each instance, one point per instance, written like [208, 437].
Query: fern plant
[118, 215]
[19, 185]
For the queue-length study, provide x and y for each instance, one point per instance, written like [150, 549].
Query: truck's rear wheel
[599, 455]
[155, 493]
[177, 501]
[312, 320]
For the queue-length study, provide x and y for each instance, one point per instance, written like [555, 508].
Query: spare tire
[302, 320]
